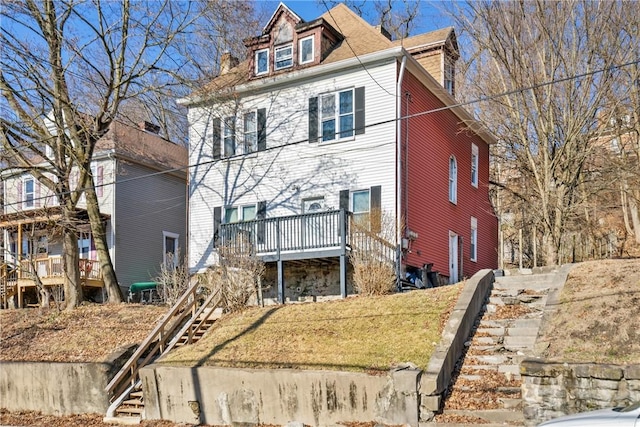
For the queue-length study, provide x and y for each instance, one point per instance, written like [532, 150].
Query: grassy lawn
[91, 333]
[366, 334]
[598, 318]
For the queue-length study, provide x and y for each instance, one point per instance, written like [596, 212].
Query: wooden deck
[330, 234]
[15, 280]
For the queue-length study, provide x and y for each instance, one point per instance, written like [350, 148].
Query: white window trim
[254, 148]
[257, 71]
[240, 209]
[336, 116]
[313, 50]
[474, 165]
[25, 202]
[275, 56]
[176, 245]
[453, 180]
[473, 256]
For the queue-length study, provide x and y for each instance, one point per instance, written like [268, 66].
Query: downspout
[399, 164]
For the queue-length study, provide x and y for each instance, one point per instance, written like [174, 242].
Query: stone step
[519, 341]
[497, 416]
[491, 331]
[492, 359]
[522, 332]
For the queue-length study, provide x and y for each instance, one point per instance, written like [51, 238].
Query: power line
[371, 125]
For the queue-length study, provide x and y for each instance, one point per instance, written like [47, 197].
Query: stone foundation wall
[305, 281]
[551, 390]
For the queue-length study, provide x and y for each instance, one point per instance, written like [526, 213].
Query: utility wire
[371, 125]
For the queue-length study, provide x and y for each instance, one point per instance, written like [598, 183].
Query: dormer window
[283, 57]
[306, 50]
[449, 76]
[262, 61]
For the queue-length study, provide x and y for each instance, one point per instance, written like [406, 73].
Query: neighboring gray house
[144, 212]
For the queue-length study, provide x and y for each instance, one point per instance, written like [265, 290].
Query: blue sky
[431, 16]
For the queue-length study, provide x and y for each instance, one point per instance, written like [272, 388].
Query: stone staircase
[486, 390]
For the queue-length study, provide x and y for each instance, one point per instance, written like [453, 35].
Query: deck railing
[305, 232]
[310, 231]
[51, 267]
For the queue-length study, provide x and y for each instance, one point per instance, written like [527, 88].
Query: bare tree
[67, 67]
[545, 58]
[399, 18]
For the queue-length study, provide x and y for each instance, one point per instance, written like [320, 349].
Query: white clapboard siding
[292, 168]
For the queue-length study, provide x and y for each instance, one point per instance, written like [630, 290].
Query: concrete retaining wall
[58, 388]
[226, 396]
[437, 377]
[54, 388]
[551, 390]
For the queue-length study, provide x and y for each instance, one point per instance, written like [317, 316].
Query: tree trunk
[635, 216]
[72, 288]
[114, 295]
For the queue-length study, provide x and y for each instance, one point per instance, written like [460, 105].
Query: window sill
[236, 157]
[334, 141]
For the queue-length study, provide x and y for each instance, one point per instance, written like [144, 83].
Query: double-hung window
[239, 213]
[29, 193]
[474, 165]
[262, 61]
[336, 115]
[229, 136]
[305, 48]
[283, 57]
[453, 180]
[361, 207]
[449, 76]
[473, 247]
[250, 132]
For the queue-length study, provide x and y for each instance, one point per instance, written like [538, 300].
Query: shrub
[373, 255]
[237, 275]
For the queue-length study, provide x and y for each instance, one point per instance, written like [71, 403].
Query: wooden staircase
[186, 322]
[8, 286]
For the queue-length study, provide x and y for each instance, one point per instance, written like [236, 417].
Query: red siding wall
[433, 138]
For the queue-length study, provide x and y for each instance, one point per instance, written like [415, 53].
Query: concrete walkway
[487, 388]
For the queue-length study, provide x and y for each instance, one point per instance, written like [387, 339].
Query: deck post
[280, 282]
[343, 253]
[281, 288]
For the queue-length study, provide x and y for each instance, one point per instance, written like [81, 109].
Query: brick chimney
[227, 62]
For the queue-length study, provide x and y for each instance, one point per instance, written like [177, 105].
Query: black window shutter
[376, 208]
[313, 119]
[344, 200]
[261, 214]
[217, 220]
[262, 129]
[215, 138]
[359, 113]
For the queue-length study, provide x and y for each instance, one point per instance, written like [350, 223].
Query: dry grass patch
[356, 334]
[598, 316]
[89, 333]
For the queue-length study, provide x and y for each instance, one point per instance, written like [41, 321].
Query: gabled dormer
[289, 43]
[437, 51]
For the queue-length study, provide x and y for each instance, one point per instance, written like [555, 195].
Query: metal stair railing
[178, 321]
